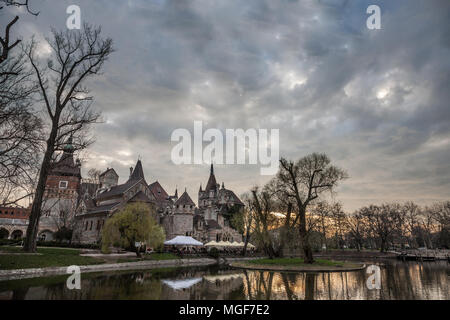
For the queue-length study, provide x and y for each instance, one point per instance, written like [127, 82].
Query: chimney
[131, 171]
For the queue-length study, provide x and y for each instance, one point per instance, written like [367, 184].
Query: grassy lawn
[48, 257]
[294, 262]
[151, 256]
[161, 256]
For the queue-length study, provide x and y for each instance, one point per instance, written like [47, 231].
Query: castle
[74, 204]
[178, 215]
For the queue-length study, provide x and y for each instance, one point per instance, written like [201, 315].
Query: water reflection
[399, 280]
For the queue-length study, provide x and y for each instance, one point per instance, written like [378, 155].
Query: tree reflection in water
[399, 280]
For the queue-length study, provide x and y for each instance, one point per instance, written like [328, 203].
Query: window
[90, 228]
[63, 184]
[98, 224]
[87, 224]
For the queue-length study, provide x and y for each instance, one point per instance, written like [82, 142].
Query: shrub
[214, 253]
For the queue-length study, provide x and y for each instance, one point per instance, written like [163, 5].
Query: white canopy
[182, 284]
[223, 244]
[237, 244]
[211, 243]
[183, 241]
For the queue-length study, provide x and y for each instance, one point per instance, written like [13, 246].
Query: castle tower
[61, 190]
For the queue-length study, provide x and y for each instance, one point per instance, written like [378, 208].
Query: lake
[399, 280]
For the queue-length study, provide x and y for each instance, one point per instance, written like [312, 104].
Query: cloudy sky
[376, 101]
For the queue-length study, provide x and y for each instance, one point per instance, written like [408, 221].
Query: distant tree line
[289, 214]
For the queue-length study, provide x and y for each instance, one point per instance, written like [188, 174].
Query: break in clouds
[376, 101]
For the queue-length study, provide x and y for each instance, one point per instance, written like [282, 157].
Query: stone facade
[61, 197]
[13, 222]
[177, 215]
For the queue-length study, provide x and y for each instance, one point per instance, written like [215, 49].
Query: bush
[63, 234]
[5, 242]
[68, 245]
[214, 253]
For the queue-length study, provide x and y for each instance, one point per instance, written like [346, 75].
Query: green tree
[134, 223]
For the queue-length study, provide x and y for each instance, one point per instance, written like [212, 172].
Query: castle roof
[158, 191]
[138, 172]
[212, 184]
[231, 196]
[117, 190]
[65, 166]
[136, 176]
[185, 199]
[140, 197]
[213, 224]
[108, 170]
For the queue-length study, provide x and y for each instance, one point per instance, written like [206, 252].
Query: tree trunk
[383, 246]
[33, 224]
[307, 251]
[247, 237]
[138, 251]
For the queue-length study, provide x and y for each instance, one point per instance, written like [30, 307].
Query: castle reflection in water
[399, 280]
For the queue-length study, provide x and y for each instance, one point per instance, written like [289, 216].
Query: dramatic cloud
[376, 101]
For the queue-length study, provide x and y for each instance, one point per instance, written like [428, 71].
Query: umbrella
[236, 244]
[211, 243]
[183, 241]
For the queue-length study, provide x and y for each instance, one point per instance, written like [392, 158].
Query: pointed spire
[138, 172]
[223, 185]
[200, 190]
[212, 184]
[176, 192]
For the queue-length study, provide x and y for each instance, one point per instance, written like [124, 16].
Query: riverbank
[353, 254]
[298, 265]
[54, 261]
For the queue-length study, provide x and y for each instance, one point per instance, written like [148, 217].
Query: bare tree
[321, 212]
[338, 217]
[384, 222]
[94, 175]
[304, 181]
[20, 127]
[243, 221]
[410, 216]
[77, 56]
[24, 3]
[356, 226]
[263, 207]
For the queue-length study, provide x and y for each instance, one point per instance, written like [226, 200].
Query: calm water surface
[399, 280]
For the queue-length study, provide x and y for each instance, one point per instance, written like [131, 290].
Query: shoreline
[302, 268]
[18, 274]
